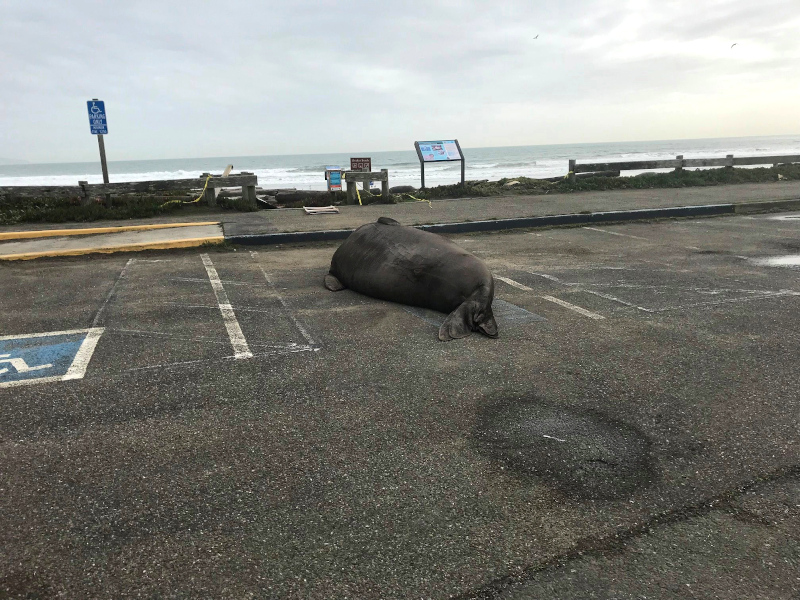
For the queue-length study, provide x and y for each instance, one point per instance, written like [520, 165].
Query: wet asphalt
[632, 433]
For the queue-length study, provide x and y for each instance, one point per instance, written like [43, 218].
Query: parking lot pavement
[217, 424]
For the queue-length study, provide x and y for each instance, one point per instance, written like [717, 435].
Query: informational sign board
[441, 150]
[361, 164]
[334, 178]
[97, 117]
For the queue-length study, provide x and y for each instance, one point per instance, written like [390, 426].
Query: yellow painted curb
[22, 235]
[188, 243]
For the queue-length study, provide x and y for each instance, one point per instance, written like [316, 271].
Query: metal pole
[103, 156]
[462, 170]
[422, 170]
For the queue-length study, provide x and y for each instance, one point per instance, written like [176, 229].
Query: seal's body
[389, 261]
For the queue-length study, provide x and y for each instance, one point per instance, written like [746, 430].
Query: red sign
[361, 164]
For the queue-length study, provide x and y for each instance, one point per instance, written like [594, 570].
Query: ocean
[306, 171]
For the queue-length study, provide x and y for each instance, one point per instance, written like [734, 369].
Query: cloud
[241, 78]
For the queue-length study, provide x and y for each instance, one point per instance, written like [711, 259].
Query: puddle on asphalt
[583, 453]
[788, 260]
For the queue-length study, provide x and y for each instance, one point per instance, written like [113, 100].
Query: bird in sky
[736, 44]
[537, 37]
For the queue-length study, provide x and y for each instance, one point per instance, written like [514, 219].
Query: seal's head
[474, 314]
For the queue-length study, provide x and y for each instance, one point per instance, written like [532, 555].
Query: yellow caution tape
[419, 199]
[171, 202]
[201, 193]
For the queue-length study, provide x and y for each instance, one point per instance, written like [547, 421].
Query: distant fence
[614, 168]
[86, 191]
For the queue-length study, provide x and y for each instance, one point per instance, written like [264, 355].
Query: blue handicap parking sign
[97, 116]
[43, 357]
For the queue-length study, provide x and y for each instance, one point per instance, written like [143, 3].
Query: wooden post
[84, 192]
[385, 183]
[351, 191]
[571, 174]
[679, 168]
[249, 193]
[210, 194]
[104, 164]
[730, 161]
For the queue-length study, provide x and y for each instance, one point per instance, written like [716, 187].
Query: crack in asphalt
[617, 540]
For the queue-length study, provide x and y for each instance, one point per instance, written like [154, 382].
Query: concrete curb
[516, 223]
[42, 233]
[165, 245]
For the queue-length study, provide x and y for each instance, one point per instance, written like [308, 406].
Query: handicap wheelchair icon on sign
[95, 109]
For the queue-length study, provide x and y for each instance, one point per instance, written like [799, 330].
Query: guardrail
[678, 164]
[86, 191]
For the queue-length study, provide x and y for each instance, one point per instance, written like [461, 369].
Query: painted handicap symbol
[19, 364]
[46, 357]
[95, 109]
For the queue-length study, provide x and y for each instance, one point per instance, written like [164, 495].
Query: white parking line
[513, 283]
[240, 348]
[296, 349]
[635, 237]
[576, 287]
[111, 292]
[84, 354]
[618, 300]
[286, 307]
[224, 282]
[577, 309]
[550, 277]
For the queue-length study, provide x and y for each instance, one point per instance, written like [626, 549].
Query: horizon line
[16, 164]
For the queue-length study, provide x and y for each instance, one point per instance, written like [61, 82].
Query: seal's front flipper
[333, 284]
[457, 324]
[387, 221]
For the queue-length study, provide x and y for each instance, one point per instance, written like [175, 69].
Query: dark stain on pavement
[583, 453]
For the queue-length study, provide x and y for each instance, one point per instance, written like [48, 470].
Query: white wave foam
[487, 163]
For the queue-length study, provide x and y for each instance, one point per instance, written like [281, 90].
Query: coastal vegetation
[70, 209]
[674, 179]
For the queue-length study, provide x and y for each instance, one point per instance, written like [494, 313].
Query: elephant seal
[388, 261]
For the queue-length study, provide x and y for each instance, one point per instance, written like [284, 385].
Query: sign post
[443, 150]
[99, 127]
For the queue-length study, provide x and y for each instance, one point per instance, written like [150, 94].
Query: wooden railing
[351, 177]
[678, 164]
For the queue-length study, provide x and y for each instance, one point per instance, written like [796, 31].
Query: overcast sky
[192, 79]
